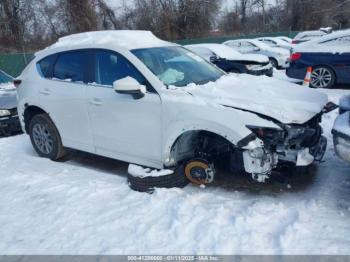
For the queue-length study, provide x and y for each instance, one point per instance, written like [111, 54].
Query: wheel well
[199, 144]
[29, 113]
[272, 58]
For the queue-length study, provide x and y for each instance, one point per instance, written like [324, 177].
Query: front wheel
[322, 77]
[45, 137]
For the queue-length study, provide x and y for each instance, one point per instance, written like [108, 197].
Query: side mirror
[129, 85]
[256, 49]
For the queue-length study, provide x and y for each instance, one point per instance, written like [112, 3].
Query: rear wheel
[322, 77]
[45, 137]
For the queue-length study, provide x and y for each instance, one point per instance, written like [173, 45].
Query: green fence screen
[13, 64]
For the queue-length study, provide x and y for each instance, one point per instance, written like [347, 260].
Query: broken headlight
[268, 134]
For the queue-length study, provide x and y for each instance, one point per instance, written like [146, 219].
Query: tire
[148, 184]
[45, 137]
[273, 62]
[322, 77]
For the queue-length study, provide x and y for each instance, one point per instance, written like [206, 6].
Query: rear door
[63, 95]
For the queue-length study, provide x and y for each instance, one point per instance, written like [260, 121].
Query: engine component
[259, 161]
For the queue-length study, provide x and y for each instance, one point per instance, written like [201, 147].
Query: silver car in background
[278, 57]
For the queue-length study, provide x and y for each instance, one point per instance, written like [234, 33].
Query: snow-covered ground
[84, 206]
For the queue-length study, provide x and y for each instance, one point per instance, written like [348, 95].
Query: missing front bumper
[262, 161]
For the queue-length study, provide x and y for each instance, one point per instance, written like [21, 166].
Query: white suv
[131, 96]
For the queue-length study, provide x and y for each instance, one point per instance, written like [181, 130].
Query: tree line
[28, 25]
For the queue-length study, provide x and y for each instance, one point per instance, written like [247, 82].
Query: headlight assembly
[5, 112]
[267, 133]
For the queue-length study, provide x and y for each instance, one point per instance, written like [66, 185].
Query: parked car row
[9, 122]
[278, 56]
[157, 104]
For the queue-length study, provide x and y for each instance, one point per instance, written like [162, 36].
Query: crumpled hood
[286, 102]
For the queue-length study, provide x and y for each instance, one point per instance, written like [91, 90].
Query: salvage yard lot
[84, 206]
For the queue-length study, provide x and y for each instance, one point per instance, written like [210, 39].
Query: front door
[123, 127]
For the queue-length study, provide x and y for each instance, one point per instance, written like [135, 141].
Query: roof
[219, 49]
[223, 51]
[128, 39]
[314, 45]
[309, 33]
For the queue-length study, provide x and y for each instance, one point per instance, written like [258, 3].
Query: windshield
[177, 66]
[5, 78]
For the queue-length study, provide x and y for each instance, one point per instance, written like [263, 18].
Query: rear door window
[71, 66]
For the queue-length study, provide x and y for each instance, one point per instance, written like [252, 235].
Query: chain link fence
[13, 64]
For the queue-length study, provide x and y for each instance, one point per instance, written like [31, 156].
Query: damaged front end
[297, 144]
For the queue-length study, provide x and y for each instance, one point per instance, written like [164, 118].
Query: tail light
[295, 56]
[17, 82]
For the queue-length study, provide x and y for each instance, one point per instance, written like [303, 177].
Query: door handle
[45, 91]
[96, 102]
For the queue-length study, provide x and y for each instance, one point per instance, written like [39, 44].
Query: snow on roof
[309, 33]
[129, 39]
[228, 53]
[276, 40]
[326, 43]
[220, 50]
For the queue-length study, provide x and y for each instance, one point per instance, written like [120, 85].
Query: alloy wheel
[42, 138]
[321, 77]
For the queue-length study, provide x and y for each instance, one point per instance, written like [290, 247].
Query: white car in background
[279, 57]
[275, 42]
[285, 39]
[232, 61]
[156, 104]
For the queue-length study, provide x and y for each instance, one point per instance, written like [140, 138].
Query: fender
[226, 122]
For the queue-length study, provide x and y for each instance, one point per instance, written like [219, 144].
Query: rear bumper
[9, 125]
